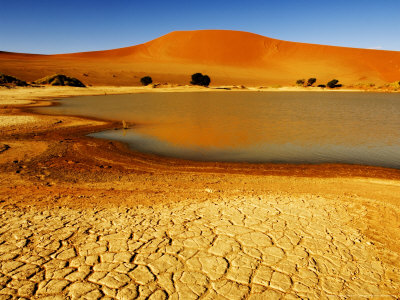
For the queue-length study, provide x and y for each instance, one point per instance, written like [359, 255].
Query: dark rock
[4, 147]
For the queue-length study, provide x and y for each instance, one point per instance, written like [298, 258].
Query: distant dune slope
[229, 57]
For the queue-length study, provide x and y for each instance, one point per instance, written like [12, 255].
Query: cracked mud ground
[256, 248]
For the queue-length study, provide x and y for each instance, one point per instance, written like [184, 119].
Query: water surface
[279, 127]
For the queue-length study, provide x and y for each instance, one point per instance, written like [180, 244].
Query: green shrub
[146, 80]
[60, 80]
[333, 83]
[322, 85]
[206, 80]
[197, 78]
[311, 81]
[300, 82]
[57, 81]
[395, 84]
[7, 80]
[200, 79]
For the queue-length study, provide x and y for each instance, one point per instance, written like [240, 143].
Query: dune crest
[229, 57]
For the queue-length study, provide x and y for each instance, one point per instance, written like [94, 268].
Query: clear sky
[44, 26]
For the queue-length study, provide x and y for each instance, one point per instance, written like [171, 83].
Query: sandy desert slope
[229, 57]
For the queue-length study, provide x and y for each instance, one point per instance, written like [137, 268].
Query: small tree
[311, 81]
[333, 83]
[196, 78]
[206, 80]
[300, 82]
[200, 79]
[146, 80]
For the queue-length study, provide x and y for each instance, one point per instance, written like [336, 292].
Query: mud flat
[88, 218]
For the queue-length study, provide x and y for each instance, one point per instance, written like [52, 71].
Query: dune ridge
[229, 57]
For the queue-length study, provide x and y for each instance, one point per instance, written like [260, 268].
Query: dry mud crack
[242, 248]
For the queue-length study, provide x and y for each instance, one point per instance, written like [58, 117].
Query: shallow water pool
[278, 127]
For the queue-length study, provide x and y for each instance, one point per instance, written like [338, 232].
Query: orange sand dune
[228, 57]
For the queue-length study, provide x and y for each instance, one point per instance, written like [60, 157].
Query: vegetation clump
[311, 81]
[395, 85]
[7, 80]
[200, 79]
[146, 80]
[333, 84]
[322, 86]
[60, 80]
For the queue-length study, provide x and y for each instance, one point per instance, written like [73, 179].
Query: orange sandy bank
[229, 57]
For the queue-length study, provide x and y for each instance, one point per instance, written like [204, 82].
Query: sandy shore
[25, 95]
[88, 218]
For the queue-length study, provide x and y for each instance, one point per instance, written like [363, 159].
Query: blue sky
[45, 26]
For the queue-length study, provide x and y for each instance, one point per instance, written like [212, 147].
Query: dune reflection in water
[295, 127]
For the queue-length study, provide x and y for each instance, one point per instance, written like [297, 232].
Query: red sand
[228, 57]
